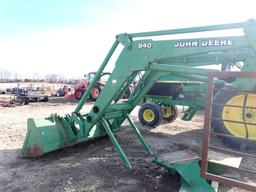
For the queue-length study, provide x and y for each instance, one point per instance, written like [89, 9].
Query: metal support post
[116, 144]
[139, 136]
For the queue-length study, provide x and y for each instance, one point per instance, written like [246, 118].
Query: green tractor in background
[160, 103]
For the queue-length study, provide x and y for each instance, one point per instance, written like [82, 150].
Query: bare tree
[51, 78]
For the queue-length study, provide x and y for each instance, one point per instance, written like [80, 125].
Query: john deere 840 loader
[151, 60]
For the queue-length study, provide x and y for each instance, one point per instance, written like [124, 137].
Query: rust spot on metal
[34, 151]
[71, 143]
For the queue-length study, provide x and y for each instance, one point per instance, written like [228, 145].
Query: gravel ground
[93, 166]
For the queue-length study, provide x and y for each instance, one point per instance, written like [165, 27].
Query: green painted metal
[116, 144]
[186, 78]
[192, 94]
[53, 133]
[190, 112]
[96, 78]
[149, 60]
[189, 172]
[191, 181]
[179, 69]
[167, 100]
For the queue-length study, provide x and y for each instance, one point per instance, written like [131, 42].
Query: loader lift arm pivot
[152, 59]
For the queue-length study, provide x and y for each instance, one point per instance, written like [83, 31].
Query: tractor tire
[234, 114]
[79, 93]
[44, 99]
[150, 114]
[23, 100]
[170, 113]
[95, 93]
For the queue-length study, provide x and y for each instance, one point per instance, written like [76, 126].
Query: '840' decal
[144, 45]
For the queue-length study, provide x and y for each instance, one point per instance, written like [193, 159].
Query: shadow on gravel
[62, 100]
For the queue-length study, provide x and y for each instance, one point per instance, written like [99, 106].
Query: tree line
[7, 76]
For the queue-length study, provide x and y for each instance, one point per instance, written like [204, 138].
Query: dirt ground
[93, 166]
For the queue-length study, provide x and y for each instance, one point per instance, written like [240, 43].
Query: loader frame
[150, 60]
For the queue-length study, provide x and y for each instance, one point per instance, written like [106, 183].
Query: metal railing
[210, 135]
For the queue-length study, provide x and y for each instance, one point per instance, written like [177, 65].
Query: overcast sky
[72, 37]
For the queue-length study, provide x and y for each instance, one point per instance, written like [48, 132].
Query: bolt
[158, 178]
[248, 115]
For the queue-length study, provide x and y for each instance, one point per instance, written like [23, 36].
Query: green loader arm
[150, 60]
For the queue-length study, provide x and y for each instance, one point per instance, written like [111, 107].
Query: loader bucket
[43, 136]
[53, 133]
